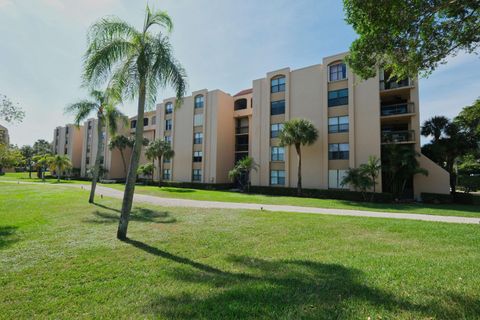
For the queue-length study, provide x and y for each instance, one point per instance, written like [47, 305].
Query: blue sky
[222, 44]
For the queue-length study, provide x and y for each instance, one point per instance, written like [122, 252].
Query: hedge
[458, 197]
[189, 185]
[322, 194]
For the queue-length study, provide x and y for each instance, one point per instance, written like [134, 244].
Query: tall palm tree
[298, 132]
[372, 169]
[159, 149]
[121, 143]
[435, 127]
[59, 164]
[138, 62]
[243, 168]
[103, 103]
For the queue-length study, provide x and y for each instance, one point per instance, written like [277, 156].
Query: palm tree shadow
[7, 236]
[138, 214]
[286, 289]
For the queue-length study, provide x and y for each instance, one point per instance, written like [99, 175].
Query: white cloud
[5, 3]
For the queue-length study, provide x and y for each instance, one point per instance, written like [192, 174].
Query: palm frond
[81, 110]
[158, 17]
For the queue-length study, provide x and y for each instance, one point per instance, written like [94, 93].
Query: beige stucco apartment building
[68, 141]
[355, 119]
[4, 137]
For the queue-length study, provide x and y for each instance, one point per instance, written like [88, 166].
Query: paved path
[172, 202]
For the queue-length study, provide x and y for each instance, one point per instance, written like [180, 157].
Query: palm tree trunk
[299, 177]
[96, 166]
[30, 171]
[124, 162]
[132, 170]
[58, 174]
[160, 175]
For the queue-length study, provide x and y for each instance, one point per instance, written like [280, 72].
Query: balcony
[241, 130]
[405, 136]
[397, 109]
[241, 147]
[394, 84]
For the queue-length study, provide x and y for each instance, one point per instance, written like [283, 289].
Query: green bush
[190, 185]
[436, 198]
[469, 183]
[322, 194]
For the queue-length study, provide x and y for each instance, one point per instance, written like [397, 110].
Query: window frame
[168, 124]
[279, 178]
[335, 151]
[198, 116]
[133, 124]
[197, 175]
[277, 84]
[276, 108]
[199, 101]
[278, 130]
[333, 70]
[338, 178]
[337, 127]
[197, 140]
[168, 108]
[338, 100]
[197, 156]
[165, 175]
[277, 153]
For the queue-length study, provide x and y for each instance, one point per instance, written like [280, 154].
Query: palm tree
[298, 132]
[243, 169]
[159, 149]
[121, 143]
[358, 179]
[138, 62]
[435, 127]
[59, 164]
[146, 170]
[372, 169]
[41, 161]
[104, 105]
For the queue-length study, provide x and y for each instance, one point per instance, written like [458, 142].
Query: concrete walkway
[172, 202]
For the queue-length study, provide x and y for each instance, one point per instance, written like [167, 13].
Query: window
[277, 107]
[338, 97]
[168, 108]
[277, 177]
[335, 178]
[66, 130]
[102, 160]
[197, 156]
[338, 124]
[338, 151]
[168, 139]
[275, 129]
[133, 124]
[198, 120]
[197, 175]
[198, 102]
[167, 160]
[198, 138]
[145, 121]
[166, 174]
[337, 72]
[87, 160]
[168, 124]
[278, 84]
[154, 120]
[240, 104]
[278, 154]
[89, 125]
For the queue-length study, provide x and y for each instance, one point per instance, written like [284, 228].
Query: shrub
[436, 198]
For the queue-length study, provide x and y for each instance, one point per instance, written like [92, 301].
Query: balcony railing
[394, 84]
[241, 130]
[398, 136]
[395, 109]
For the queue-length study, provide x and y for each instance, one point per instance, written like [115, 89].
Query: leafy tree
[28, 153]
[41, 147]
[59, 164]
[42, 161]
[469, 119]
[103, 103]
[372, 170]
[159, 149]
[138, 62]
[9, 157]
[121, 143]
[9, 111]
[399, 165]
[410, 37]
[242, 170]
[358, 179]
[298, 132]
[146, 170]
[435, 127]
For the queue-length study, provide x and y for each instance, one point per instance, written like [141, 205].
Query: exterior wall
[4, 137]
[437, 180]
[69, 143]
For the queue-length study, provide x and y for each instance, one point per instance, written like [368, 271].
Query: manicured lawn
[24, 177]
[59, 259]
[229, 196]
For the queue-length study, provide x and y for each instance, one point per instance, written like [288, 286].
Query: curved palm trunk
[96, 167]
[160, 174]
[299, 178]
[132, 170]
[58, 174]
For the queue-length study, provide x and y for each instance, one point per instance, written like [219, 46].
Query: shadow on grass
[137, 214]
[177, 190]
[7, 236]
[293, 289]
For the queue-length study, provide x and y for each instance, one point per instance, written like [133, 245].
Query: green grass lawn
[59, 258]
[229, 196]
